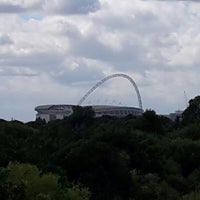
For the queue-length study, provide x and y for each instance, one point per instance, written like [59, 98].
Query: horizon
[54, 52]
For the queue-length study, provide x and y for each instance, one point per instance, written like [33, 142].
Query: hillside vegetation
[82, 157]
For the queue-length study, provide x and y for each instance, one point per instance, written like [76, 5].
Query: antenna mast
[186, 101]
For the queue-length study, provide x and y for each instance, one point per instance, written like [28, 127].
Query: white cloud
[5, 40]
[18, 6]
[54, 51]
[66, 7]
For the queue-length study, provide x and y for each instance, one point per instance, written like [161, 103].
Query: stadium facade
[54, 112]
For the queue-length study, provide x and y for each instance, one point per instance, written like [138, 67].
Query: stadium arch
[112, 77]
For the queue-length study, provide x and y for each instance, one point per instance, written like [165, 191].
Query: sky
[53, 52]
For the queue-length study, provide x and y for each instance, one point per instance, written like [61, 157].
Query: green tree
[77, 192]
[150, 186]
[192, 113]
[81, 116]
[27, 182]
[151, 122]
[192, 196]
[35, 183]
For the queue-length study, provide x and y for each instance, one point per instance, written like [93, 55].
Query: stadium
[53, 112]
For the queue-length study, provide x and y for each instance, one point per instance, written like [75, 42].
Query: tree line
[107, 158]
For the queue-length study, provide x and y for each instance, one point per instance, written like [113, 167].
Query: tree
[81, 116]
[27, 182]
[192, 196]
[192, 113]
[151, 122]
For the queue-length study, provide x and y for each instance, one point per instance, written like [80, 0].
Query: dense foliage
[82, 157]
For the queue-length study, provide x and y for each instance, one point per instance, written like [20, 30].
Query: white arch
[111, 77]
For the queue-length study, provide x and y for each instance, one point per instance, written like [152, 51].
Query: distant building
[175, 115]
[53, 112]
[116, 111]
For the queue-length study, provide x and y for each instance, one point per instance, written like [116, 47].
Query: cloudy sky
[52, 52]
